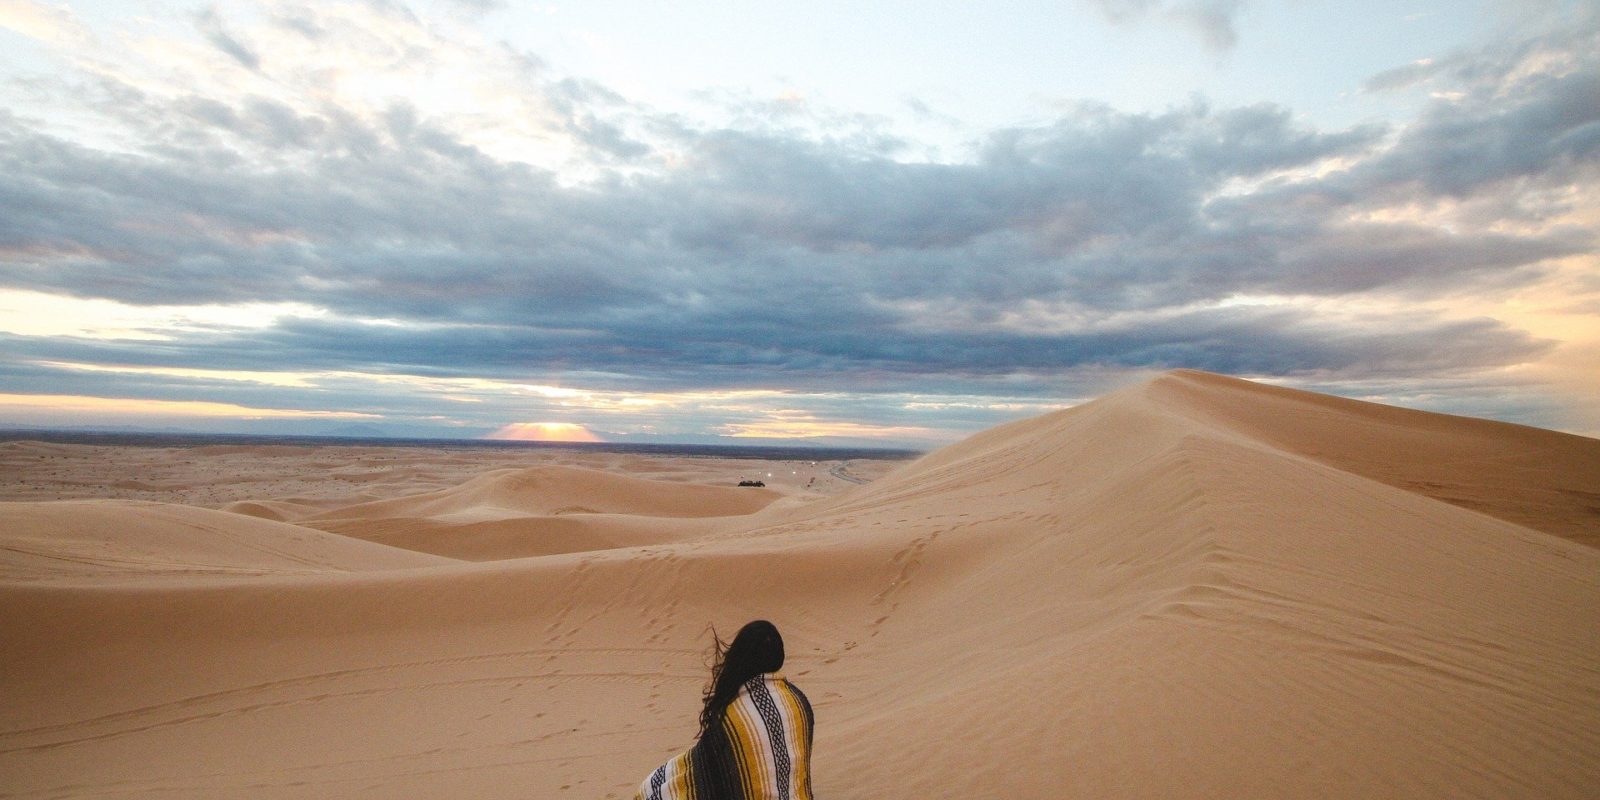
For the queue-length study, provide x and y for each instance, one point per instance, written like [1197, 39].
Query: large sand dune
[1195, 587]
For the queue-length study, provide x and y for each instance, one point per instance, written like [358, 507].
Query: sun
[545, 432]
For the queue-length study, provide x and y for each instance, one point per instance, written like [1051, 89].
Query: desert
[1194, 586]
[857, 401]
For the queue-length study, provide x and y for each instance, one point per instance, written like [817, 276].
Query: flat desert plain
[1196, 587]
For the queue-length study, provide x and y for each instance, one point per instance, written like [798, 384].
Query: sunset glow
[545, 432]
[58, 407]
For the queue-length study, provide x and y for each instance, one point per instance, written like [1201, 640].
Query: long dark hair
[756, 649]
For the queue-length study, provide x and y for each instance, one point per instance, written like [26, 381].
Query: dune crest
[1546, 480]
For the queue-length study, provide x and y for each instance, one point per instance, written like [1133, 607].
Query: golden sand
[1195, 587]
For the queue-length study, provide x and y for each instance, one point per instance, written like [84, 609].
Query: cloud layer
[454, 208]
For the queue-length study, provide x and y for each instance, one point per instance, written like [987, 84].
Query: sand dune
[546, 510]
[1194, 587]
[29, 448]
[276, 510]
[554, 490]
[482, 535]
[106, 539]
[1542, 479]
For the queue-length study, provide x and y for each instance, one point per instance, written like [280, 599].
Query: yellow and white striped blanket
[762, 750]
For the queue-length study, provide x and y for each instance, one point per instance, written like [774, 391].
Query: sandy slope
[555, 490]
[90, 541]
[545, 510]
[1541, 479]
[1196, 587]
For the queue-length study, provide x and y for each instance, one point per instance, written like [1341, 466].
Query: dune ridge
[545, 510]
[1192, 587]
[96, 540]
[555, 490]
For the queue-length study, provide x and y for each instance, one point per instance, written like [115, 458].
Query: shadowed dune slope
[1162, 593]
[1546, 480]
[275, 510]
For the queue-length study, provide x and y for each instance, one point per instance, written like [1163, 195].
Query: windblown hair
[756, 649]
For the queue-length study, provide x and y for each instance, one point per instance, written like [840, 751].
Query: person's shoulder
[782, 687]
[769, 680]
[776, 680]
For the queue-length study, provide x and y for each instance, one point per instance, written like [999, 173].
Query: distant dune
[1196, 587]
[567, 490]
[105, 540]
[542, 511]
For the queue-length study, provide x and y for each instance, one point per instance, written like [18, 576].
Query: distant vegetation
[752, 483]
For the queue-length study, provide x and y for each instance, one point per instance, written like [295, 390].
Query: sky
[832, 223]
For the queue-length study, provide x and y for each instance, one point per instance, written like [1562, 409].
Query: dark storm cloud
[761, 257]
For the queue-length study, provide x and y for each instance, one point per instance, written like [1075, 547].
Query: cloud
[741, 352]
[581, 236]
[58, 405]
[363, 216]
[1124, 10]
[1506, 120]
[480, 6]
[1404, 76]
[45, 22]
[211, 26]
[1215, 21]
[951, 380]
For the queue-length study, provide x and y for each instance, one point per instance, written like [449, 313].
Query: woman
[755, 730]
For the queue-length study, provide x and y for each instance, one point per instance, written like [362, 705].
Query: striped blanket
[762, 750]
